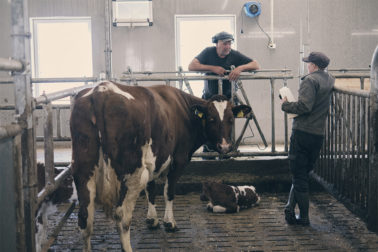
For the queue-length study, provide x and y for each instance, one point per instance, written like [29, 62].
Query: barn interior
[50, 50]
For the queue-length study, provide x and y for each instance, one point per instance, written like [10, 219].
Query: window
[194, 33]
[61, 47]
[132, 13]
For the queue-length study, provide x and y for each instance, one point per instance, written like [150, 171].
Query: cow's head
[217, 116]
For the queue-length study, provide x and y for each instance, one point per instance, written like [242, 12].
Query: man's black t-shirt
[209, 56]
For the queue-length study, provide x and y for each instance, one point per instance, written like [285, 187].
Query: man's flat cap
[224, 36]
[318, 58]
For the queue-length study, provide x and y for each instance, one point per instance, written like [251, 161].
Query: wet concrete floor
[261, 228]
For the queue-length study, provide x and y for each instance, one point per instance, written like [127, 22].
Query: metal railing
[343, 165]
[183, 78]
[348, 162]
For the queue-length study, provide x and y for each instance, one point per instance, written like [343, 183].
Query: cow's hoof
[169, 227]
[209, 207]
[152, 223]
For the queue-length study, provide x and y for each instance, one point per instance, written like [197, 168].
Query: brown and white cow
[227, 198]
[124, 137]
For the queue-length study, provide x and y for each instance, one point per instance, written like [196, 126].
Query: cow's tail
[107, 184]
[107, 191]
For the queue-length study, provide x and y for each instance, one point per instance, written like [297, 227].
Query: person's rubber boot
[289, 208]
[303, 204]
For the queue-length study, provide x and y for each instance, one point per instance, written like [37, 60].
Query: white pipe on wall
[272, 20]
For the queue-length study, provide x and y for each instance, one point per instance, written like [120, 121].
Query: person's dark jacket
[313, 102]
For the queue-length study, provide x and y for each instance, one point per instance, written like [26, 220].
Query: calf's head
[217, 116]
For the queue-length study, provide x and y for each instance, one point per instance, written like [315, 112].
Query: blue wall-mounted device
[252, 9]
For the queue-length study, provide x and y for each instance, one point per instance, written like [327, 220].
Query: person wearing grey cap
[307, 132]
[218, 59]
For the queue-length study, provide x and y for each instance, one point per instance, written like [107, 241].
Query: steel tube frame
[258, 76]
[10, 131]
[184, 72]
[180, 77]
[11, 65]
[61, 94]
[349, 157]
[108, 40]
[23, 103]
[48, 145]
[373, 164]
[48, 189]
[273, 115]
[68, 79]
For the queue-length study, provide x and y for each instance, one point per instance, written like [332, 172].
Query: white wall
[346, 30]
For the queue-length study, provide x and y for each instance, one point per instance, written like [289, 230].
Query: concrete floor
[261, 228]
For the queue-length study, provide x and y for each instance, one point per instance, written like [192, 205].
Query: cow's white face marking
[108, 86]
[220, 107]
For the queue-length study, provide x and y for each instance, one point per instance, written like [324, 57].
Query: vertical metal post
[372, 219]
[363, 151]
[108, 39]
[49, 144]
[20, 214]
[187, 84]
[220, 86]
[58, 123]
[362, 83]
[272, 109]
[286, 140]
[181, 81]
[233, 83]
[23, 104]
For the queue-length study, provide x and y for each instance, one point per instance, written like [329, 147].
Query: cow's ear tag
[199, 114]
[240, 114]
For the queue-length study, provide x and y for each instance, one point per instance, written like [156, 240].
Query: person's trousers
[303, 153]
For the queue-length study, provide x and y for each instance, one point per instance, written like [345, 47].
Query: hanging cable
[258, 24]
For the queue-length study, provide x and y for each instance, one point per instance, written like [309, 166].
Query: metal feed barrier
[183, 78]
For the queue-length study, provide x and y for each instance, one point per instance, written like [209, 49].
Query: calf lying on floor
[225, 198]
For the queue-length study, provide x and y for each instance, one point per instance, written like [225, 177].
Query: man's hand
[234, 74]
[218, 70]
[284, 99]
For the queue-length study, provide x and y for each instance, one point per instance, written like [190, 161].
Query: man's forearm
[195, 65]
[253, 65]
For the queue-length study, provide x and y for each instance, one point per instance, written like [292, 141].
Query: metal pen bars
[344, 158]
[135, 78]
